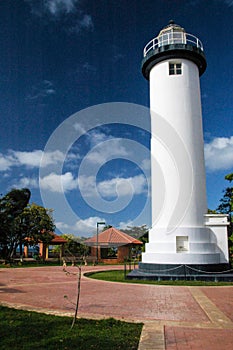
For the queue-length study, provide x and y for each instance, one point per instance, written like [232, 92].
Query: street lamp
[97, 243]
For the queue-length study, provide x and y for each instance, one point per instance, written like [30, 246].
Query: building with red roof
[112, 238]
[44, 248]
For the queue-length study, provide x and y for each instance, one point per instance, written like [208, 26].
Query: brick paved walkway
[177, 318]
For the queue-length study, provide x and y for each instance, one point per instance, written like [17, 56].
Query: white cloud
[30, 159]
[99, 150]
[5, 162]
[96, 137]
[52, 7]
[84, 23]
[69, 12]
[63, 227]
[118, 186]
[88, 226]
[139, 184]
[219, 154]
[79, 127]
[59, 183]
[102, 152]
[125, 225]
[122, 186]
[84, 228]
[41, 91]
[89, 187]
[113, 187]
[50, 158]
[27, 182]
[57, 7]
[87, 184]
[16, 158]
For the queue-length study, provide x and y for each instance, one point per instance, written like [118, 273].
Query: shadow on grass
[30, 330]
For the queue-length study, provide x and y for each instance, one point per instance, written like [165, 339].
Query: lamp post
[97, 243]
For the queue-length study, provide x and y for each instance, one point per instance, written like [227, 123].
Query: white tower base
[190, 245]
[218, 225]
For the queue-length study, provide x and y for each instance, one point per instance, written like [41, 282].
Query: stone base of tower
[192, 253]
[200, 272]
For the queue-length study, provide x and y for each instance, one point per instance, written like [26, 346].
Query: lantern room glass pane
[178, 37]
[163, 40]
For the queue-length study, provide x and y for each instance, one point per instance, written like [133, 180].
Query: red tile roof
[112, 237]
[57, 239]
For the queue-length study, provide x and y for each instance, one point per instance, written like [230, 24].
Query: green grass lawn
[26, 330]
[118, 276]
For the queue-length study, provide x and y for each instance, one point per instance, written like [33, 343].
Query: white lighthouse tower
[182, 232]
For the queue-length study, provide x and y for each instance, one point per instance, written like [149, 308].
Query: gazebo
[112, 238]
[44, 248]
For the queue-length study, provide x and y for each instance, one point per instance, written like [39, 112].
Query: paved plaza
[175, 318]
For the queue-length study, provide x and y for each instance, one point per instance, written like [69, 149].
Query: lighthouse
[182, 232]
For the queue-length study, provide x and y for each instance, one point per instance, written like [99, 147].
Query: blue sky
[60, 57]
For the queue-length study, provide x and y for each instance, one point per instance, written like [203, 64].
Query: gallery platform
[158, 272]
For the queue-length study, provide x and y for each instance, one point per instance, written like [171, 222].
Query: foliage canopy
[22, 223]
[226, 207]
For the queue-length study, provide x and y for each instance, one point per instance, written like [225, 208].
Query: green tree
[210, 211]
[226, 202]
[137, 231]
[226, 207]
[37, 224]
[22, 223]
[106, 227]
[11, 206]
[229, 177]
[140, 233]
[74, 245]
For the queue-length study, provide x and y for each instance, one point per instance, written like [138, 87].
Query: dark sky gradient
[59, 57]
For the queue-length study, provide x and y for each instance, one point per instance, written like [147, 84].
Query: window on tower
[175, 68]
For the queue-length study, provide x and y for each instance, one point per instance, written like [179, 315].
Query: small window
[175, 68]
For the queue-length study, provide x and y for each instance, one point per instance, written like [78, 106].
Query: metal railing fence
[172, 38]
